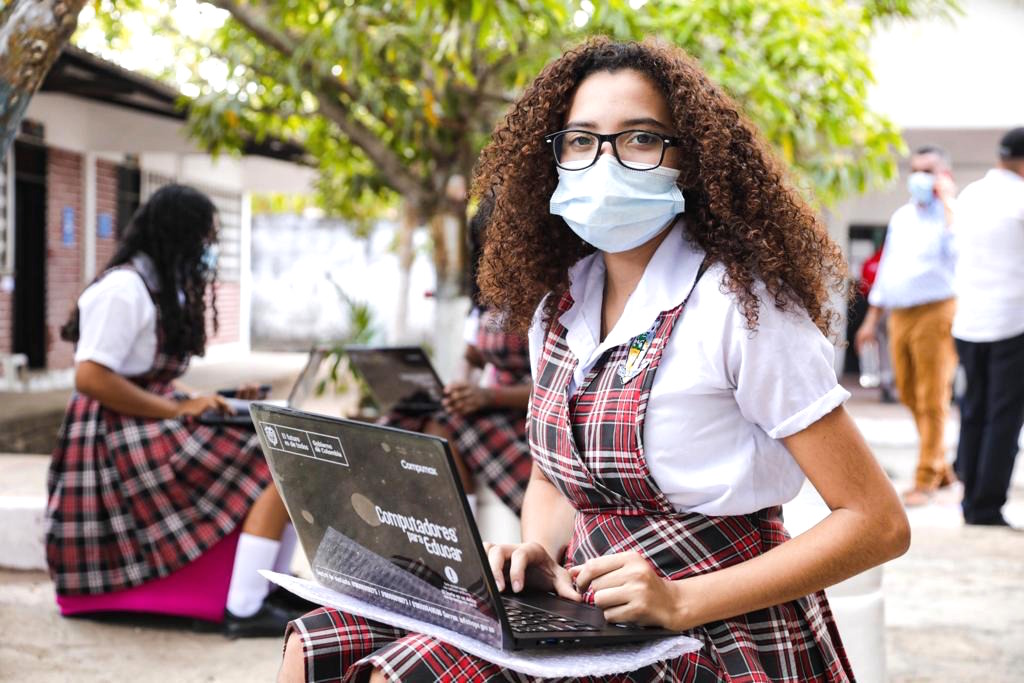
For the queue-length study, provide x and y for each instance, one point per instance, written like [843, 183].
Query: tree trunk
[448, 230]
[32, 35]
[406, 256]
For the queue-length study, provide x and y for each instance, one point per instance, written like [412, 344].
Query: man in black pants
[989, 331]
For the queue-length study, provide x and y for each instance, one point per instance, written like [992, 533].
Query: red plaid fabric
[133, 499]
[340, 647]
[491, 442]
[591, 448]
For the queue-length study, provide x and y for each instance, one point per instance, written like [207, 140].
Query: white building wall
[163, 150]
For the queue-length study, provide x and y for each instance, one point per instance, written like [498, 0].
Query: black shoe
[291, 602]
[268, 622]
[998, 521]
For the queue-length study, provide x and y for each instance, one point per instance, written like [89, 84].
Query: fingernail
[517, 586]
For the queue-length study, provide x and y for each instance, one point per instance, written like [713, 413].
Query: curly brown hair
[740, 208]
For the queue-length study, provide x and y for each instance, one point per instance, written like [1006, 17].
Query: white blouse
[117, 320]
[722, 396]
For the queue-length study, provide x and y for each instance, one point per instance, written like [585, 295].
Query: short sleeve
[783, 374]
[113, 313]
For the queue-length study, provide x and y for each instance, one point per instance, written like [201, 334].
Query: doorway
[30, 252]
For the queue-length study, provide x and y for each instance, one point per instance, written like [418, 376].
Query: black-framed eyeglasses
[640, 150]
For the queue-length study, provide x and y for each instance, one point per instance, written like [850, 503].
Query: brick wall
[106, 203]
[229, 299]
[63, 263]
[6, 323]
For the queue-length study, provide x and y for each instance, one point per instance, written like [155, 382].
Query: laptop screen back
[380, 517]
[401, 379]
[312, 374]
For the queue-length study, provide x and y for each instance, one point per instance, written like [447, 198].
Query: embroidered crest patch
[634, 362]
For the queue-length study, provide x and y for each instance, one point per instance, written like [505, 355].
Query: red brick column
[6, 321]
[63, 263]
[106, 203]
[229, 305]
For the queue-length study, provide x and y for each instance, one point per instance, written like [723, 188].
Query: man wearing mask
[989, 331]
[915, 283]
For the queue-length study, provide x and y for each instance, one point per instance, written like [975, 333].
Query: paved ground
[953, 603]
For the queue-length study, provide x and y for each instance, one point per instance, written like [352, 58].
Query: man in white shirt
[989, 331]
[915, 283]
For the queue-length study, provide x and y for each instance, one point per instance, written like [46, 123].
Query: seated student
[683, 386]
[485, 423]
[149, 510]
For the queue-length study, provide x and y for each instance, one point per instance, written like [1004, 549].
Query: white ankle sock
[471, 499]
[248, 588]
[283, 563]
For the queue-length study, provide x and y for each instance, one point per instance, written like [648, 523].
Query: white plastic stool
[496, 521]
[13, 365]
[858, 603]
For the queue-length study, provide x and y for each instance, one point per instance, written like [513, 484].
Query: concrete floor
[953, 602]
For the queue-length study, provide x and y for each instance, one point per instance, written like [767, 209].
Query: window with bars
[229, 236]
[229, 214]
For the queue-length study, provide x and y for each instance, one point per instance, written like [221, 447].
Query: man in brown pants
[915, 282]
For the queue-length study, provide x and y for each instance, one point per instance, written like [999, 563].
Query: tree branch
[259, 26]
[389, 163]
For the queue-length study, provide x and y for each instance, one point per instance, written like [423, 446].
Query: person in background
[485, 421]
[868, 273]
[915, 285]
[149, 510]
[989, 331]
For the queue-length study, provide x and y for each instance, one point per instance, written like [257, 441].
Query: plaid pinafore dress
[492, 442]
[590, 447]
[132, 499]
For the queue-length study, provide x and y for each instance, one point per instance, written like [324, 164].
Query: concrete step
[22, 510]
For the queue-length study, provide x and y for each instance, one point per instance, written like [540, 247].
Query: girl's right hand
[529, 564]
[200, 404]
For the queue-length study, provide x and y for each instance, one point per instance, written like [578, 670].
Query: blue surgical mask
[209, 257]
[922, 187]
[616, 208]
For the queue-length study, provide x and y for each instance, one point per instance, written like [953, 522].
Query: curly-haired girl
[676, 294]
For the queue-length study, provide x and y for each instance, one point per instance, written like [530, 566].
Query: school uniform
[492, 441]
[664, 437]
[143, 513]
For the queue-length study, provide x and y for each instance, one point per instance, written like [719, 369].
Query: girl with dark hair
[150, 511]
[485, 422]
[676, 292]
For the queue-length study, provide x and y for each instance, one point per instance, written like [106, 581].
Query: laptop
[381, 516]
[301, 390]
[400, 378]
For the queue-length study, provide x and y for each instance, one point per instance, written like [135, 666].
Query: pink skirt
[198, 590]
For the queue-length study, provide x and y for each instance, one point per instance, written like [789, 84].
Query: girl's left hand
[628, 589]
[465, 399]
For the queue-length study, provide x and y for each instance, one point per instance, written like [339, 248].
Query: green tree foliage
[394, 98]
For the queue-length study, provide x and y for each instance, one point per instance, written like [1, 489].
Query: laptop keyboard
[528, 619]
